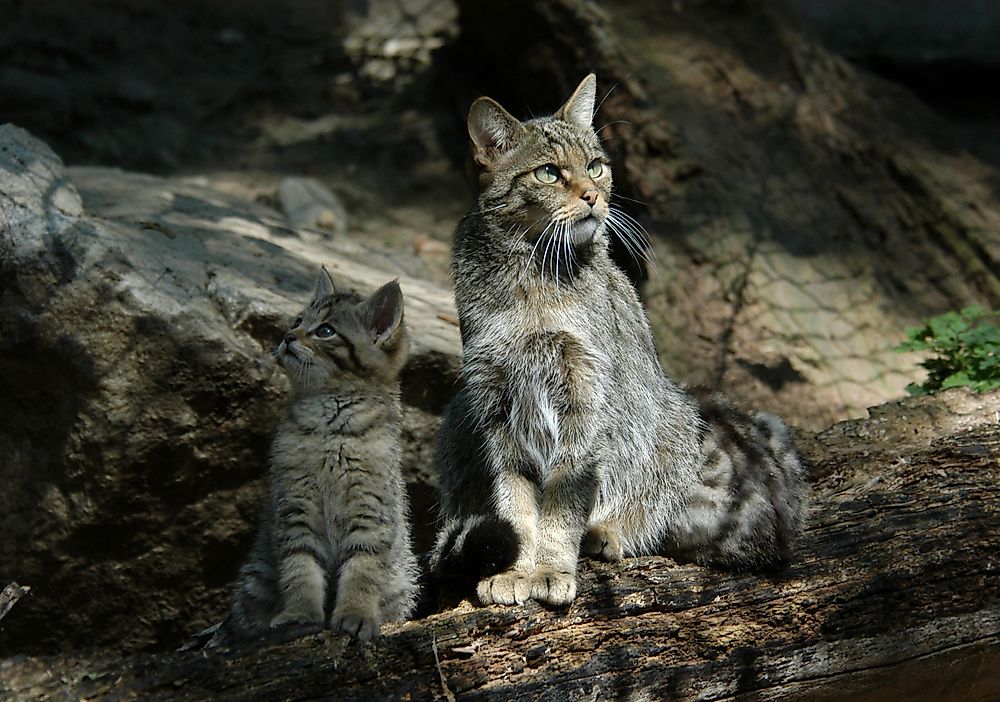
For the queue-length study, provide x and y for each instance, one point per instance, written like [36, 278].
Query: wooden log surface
[896, 595]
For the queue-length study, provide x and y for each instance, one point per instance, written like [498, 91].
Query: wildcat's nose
[590, 197]
[289, 338]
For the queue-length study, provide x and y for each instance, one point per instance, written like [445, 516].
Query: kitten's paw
[511, 587]
[291, 617]
[553, 587]
[361, 626]
[603, 541]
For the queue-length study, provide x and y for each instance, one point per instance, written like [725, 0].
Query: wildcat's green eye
[548, 174]
[595, 169]
[324, 331]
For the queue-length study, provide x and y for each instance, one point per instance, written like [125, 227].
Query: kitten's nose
[590, 197]
[289, 338]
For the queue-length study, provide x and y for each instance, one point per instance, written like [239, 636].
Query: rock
[137, 396]
[391, 42]
[308, 203]
[918, 33]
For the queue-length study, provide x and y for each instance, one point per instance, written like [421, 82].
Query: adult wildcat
[567, 432]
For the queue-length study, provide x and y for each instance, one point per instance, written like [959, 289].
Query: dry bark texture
[896, 595]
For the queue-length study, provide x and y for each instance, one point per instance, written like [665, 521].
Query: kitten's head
[547, 177]
[341, 333]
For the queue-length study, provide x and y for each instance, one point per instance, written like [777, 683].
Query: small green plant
[965, 347]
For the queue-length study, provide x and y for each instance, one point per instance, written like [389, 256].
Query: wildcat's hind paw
[603, 541]
[553, 587]
[510, 587]
[289, 618]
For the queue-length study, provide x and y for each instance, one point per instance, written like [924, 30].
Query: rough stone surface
[308, 203]
[137, 395]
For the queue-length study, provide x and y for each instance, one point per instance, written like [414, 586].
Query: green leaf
[964, 350]
[956, 380]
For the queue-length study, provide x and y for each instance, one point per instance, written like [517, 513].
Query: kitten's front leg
[566, 503]
[356, 610]
[516, 500]
[303, 587]
[302, 563]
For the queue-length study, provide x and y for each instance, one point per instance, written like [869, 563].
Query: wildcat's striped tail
[473, 548]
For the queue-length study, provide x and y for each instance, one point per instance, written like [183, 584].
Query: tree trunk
[895, 595]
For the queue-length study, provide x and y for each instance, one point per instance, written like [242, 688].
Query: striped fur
[567, 435]
[333, 543]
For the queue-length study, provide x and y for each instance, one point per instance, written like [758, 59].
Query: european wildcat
[567, 432]
[335, 526]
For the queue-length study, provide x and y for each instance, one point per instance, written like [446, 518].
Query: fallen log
[896, 595]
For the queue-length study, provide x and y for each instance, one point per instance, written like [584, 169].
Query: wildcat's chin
[584, 230]
[292, 356]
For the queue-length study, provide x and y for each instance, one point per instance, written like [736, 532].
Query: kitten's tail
[473, 548]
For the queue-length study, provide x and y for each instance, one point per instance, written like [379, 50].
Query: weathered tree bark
[896, 595]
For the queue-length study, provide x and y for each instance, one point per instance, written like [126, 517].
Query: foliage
[965, 347]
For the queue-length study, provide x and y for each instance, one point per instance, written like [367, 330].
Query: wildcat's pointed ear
[492, 129]
[579, 109]
[383, 313]
[324, 285]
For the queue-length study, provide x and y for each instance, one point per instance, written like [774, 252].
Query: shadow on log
[895, 596]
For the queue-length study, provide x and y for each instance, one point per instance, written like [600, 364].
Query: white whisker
[618, 196]
[569, 260]
[605, 126]
[606, 96]
[559, 242]
[531, 256]
[545, 254]
[632, 235]
[490, 209]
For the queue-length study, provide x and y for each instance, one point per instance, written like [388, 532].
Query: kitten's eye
[297, 323]
[548, 174]
[595, 169]
[324, 331]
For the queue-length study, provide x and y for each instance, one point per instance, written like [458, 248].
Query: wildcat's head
[547, 177]
[343, 333]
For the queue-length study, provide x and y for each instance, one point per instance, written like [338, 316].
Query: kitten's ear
[324, 285]
[383, 313]
[492, 129]
[579, 109]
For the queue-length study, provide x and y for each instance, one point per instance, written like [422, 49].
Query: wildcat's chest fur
[547, 365]
[325, 438]
[321, 428]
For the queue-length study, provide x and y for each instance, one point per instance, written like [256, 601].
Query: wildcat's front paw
[363, 627]
[603, 541]
[553, 587]
[511, 587]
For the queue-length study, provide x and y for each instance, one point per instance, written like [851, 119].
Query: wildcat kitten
[335, 525]
[567, 434]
